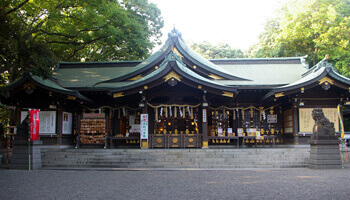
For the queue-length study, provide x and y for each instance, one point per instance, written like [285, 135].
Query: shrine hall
[178, 99]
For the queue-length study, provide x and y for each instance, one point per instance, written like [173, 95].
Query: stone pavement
[301, 183]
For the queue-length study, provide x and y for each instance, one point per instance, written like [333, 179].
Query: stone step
[175, 158]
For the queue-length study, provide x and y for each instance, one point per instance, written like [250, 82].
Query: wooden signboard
[306, 123]
[94, 115]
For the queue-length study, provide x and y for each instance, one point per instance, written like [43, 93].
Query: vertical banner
[144, 126]
[144, 131]
[34, 124]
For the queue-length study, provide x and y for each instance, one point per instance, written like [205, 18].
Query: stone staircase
[175, 158]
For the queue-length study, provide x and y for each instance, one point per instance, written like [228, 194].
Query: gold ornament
[216, 77]
[172, 74]
[135, 78]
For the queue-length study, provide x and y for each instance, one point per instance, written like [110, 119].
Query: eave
[321, 74]
[203, 65]
[46, 84]
[177, 70]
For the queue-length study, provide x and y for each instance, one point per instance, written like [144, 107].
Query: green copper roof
[153, 57]
[269, 73]
[264, 74]
[50, 84]
[195, 75]
[201, 62]
[320, 70]
[144, 80]
[199, 58]
[87, 77]
[143, 66]
[164, 68]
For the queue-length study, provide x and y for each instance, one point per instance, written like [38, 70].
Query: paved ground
[176, 184]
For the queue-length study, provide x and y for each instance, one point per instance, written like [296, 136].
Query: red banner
[34, 117]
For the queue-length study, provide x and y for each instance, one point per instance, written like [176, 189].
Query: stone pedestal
[20, 155]
[324, 152]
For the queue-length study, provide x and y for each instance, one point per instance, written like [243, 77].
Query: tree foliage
[221, 50]
[36, 34]
[309, 27]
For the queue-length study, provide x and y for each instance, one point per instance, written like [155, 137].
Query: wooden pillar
[77, 128]
[295, 124]
[144, 110]
[107, 117]
[205, 127]
[107, 121]
[59, 128]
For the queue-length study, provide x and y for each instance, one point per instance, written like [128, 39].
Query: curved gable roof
[203, 63]
[173, 67]
[175, 43]
[48, 84]
[321, 70]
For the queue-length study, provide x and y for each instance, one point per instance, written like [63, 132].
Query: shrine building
[178, 99]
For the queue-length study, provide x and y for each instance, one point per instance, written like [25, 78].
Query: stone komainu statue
[322, 125]
[23, 129]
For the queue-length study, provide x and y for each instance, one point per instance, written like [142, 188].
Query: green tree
[36, 34]
[268, 45]
[309, 27]
[221, 50]
[19, 51]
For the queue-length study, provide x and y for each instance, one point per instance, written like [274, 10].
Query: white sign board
[271, 119]
[47, 122]
[144, 126]
[67, 123]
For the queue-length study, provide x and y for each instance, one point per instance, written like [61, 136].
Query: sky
[235, 22]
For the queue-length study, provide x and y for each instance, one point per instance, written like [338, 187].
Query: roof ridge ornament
[323, 63]
[303, 61]
[175, 33]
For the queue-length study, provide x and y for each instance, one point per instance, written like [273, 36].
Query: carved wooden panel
[158, 140]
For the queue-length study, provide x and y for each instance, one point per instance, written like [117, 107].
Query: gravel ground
[176, 184]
